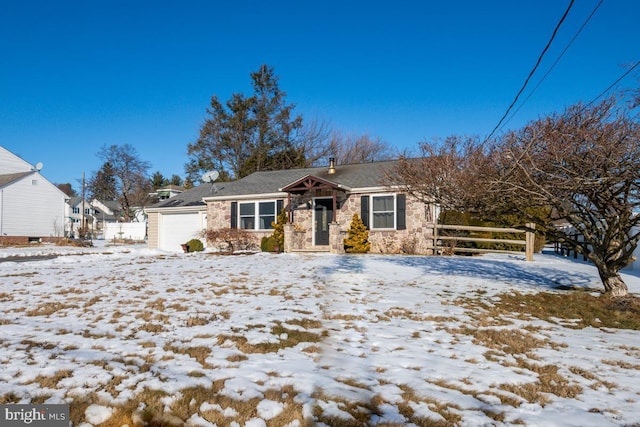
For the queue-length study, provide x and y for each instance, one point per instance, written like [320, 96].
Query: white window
[257, 215]
[248, 216]
[267, 212]
[383, 211]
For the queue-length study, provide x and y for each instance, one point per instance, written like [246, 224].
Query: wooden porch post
[335, 204]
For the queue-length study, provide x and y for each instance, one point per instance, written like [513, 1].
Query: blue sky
[77, 75]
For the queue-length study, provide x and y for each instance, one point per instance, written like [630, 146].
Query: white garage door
[176, 229]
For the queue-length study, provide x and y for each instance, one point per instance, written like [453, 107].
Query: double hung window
[257, 215]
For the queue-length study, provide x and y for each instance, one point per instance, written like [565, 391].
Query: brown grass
[292, 338]
[572, 309]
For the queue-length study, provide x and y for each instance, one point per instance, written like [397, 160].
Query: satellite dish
[210, 176]
[39, 166]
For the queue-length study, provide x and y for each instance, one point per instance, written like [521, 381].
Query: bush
[269, 244]
[195, 245]
[230, 239]
[278, 230]
[357, 240]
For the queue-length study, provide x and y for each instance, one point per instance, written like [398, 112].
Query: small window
[247, 216]
[383, 211]
[267, 215]
[76, 210]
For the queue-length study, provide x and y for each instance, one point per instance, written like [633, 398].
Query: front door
[323, 216]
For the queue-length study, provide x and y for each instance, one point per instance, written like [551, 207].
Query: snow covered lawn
[127, 336]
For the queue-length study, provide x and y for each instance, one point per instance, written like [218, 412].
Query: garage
[177, 220]
[178, 228]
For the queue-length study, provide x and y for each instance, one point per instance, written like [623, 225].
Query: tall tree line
[262, 132]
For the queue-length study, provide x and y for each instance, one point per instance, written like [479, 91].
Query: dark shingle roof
[191, 197]
[357, 175]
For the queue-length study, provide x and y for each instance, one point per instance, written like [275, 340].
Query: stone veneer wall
[415, 239]
[219, 216]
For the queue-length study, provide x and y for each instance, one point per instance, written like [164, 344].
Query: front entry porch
[314, 202]
[299, 240]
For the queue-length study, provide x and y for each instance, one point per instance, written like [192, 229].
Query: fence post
[435, 237]
[530, 239]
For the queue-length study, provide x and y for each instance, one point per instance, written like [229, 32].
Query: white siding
[33, 207]
[10, 163]
[174, 229]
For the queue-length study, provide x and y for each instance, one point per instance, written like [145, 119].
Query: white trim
[233, 197]
[256, 213]
[176, 209]
[395, 211]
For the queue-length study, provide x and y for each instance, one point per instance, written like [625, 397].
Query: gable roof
[347, 177]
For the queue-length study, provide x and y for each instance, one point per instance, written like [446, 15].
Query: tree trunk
[613, 284]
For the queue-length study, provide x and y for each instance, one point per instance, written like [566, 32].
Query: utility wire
[533, 70]
[625, 74]
[555, 62]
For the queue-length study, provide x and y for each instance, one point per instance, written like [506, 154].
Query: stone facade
[416, 238]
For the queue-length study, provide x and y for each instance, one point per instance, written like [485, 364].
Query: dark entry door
[323, 216]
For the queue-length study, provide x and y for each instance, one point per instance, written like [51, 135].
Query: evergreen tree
[102, 185]
[248, 134]
[357, 240]
[278, 229]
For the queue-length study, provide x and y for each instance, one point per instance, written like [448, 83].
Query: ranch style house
[320, 203]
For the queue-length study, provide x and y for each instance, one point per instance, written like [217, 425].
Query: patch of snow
[97, 414]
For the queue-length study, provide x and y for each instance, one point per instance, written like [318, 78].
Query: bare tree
[358, 148]
[129, 172]
[314, 141]
[447, 172]
[583, 165]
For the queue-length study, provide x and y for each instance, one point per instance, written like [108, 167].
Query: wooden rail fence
[527, 242]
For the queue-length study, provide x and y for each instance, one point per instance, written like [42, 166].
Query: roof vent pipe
[332, 165]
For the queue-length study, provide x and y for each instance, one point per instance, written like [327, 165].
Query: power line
[556, 61]
[533, 70]
[625, 74]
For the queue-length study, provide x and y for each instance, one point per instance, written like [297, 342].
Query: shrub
[230, 239]
[357, 240]
[269, 244]
[195, 245]
[278, 230]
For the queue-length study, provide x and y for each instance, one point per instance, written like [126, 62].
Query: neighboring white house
[31, 207]
[167, 192]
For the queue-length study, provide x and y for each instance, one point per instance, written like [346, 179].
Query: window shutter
[364, 210]
[401, 212]
[279, 206]
[234, 214]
